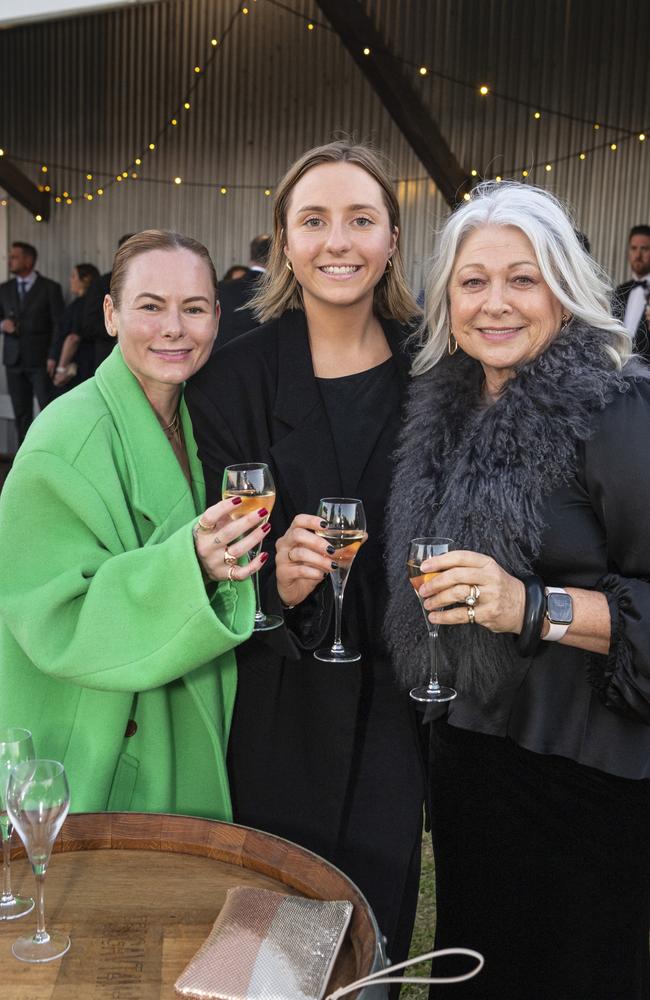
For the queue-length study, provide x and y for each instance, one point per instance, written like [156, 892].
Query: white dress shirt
[636, 303]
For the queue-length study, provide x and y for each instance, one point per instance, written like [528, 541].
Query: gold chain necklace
[173, 427]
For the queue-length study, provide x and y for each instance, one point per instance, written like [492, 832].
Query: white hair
[577, 281]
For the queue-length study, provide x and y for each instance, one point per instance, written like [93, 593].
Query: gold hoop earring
[288, 266]
[389, 266]
[452, 344]
[565, 321]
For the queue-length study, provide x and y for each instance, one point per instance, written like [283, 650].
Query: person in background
[30, 308]
[73, 357]
[632, 297]
[93, 328]
[234, 273]
[237, 315]
[324, 754]
[119, 609]
[526, 442]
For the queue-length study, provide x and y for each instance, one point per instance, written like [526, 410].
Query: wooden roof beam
[21, 189]
[386, 75]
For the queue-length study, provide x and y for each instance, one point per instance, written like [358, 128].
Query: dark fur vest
[480, 474]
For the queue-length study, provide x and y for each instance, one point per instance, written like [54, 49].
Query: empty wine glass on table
[421, 549]
[15, 746]
[252, 482]
[345, 530]
[38, 799]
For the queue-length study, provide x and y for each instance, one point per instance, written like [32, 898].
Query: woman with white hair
[526, 442]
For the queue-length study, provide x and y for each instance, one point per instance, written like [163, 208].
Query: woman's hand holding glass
[501, 601]
[221, 538]
[303, 559]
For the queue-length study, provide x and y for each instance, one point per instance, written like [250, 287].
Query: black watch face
[559, 608]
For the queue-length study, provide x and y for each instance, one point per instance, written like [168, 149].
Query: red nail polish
[262, 512]
[264, 556]
[266, 527]
[235, 501]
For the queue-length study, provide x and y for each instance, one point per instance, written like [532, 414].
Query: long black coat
[297, 741]
[642, 334]
[35, 317]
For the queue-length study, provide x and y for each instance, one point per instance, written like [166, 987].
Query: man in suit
[632, 297]
[233, 295]
[93, 329]
[30, 308]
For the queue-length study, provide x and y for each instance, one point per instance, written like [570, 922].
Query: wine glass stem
[7, 894]
[434, 683]
[256, 583]
[41, 934]
[339, 589]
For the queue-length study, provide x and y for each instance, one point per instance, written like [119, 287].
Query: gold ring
[471, 614]
[229, 558]
[231, 570]
[204, 527]
[473, 596]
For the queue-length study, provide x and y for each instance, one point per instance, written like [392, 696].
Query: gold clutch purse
[267, 946]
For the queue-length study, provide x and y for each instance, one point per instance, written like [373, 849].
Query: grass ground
[425, 922]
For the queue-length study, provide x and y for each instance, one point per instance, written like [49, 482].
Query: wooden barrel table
[138, 894]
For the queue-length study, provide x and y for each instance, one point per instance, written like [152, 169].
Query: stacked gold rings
[471, 601]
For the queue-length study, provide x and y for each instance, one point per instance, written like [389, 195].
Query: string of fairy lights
[96, 183]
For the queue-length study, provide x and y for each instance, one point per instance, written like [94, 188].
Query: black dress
[326, 755]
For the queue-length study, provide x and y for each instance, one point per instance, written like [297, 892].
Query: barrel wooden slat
[138, 894]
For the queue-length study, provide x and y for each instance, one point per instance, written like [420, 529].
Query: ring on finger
[231, 572]
[229, 558]
[204, 527]
[471, 614]
[473, 596]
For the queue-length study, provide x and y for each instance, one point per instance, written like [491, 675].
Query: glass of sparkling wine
[252, 482]
[15, 746]
[421, 549]
[38, 799]
[345, 531]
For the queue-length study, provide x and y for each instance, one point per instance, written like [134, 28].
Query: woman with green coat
[119, 610]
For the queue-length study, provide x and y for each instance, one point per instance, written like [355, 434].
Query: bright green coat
[104, 616]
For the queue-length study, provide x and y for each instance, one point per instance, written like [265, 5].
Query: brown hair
[154, 239]
[279, 289]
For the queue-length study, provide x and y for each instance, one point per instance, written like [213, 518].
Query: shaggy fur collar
[479, 474]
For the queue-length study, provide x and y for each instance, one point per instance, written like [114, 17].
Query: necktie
[639, 284]
[21, 290]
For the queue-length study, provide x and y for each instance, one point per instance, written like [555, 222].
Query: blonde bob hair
[573, 276]
[279, 289]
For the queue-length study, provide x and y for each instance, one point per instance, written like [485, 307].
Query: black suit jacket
[295, 722]
[36, 318]
[642, 335]
[234, 319]
[93, 329]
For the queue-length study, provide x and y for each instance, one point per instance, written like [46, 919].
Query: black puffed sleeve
[617, 477]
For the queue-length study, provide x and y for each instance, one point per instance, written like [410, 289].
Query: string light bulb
[187, 105]
[44, 169]
[58, 199]
[267, 191]
[119, 177]
[641, 136]
[466, 196]
[596, 126]
[310, 27]
[2, 152]
[47, 188]
[89, 177]
[134, 175]
[366, 51]
[38, 218]
[152, 145]
[474, 173]
[100, 191]
[137, 161]
[537, 115]
[173, 122]
[498, 178]
[4, 202]
[613, 147]
[483, 90]
[582, 156]
[178, 180]
[65, 194]
[423, 71]
[244, 10]
[68, 201]
[197, 69]
[548, 168]
[214, 42]
[224, 190]
[125, 173]
[524, 173]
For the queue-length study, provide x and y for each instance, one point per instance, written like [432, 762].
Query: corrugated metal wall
[93, 91]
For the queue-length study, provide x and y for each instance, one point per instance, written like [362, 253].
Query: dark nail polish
[323, 524]
[330, 550]
[264, 556]
[235, 501]
[335, 565]
[262, 512]
[266, 527]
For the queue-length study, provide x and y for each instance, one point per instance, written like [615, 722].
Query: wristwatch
[558, 613]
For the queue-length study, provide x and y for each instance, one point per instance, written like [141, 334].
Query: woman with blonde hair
[325, 754]
[526, 442]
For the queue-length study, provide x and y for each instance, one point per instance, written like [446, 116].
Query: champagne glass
[38, 799]
[345, 530]
[15, 746]
[252, 482]
[421, 549]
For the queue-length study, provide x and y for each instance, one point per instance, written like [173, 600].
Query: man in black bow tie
[30, 308]
[632, 297]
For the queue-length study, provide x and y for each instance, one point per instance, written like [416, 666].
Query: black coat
[93, 329]
[300, 726]
[619, 305]
[36, 318]
[233, 295]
